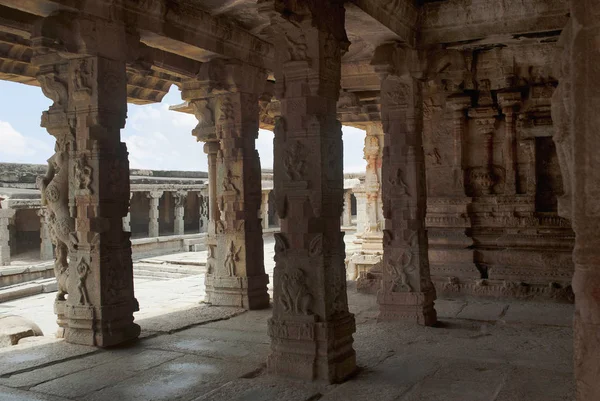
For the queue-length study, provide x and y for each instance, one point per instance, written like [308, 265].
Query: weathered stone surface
[14, 328]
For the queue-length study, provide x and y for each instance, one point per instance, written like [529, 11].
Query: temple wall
[493, 177]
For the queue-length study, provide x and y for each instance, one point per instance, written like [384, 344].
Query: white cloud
[16, 148]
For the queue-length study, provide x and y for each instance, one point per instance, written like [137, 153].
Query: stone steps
[27, 289]
[164, 271]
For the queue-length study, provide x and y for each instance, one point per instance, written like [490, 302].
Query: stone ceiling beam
[493, 22]
[182, 29]
[16, 22]
[400, 16]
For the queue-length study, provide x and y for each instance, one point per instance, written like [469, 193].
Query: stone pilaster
[5, 216]
[577, 138]
[510, 102]
[127, 218]
[153, 213]
[407, 292]
[179, 199]
[458, 104]
[347, 213]
[88, 177]
[265, 210]
[214, 214]
[482, 180]
[46, 250]
[311, 328]
[225, 99]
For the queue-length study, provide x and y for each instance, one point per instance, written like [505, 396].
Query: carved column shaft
[89, 90]
[347, 213]
[373, 152]
[203, 211]
[407, 291]
[46, 250]
[227, 111]
[265, 210]
[211, 149]
[179, 223]
[5, 216]
[510, 101]
[311, 329]
[575, 109]
[154, 213]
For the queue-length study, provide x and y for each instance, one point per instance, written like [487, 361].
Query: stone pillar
[265, 210]
[311, 328]
[407, 292]
[577, 138]
[179, 197]
[86, 78]
[482, 180]
[214, 214]
[203, 204]
[153, 213]
[46, 250]
[347, 213]
[5, 216]
[510, 102]
[225, 99]
[361, 211]
[127, 219]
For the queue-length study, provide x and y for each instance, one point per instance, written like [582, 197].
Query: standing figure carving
[232, 257]
[55, 196]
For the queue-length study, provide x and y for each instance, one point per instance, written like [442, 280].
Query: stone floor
[501, 351]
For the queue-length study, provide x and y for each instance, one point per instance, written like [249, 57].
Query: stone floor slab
[549, 314]
[182, 379]
[482, 311]
[80, 384]
[11, 394]
[265, 388]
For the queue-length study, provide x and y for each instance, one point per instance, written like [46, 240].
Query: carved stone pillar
[153, 213]
[214, 214]
[311, 328]
[510, 102]
[577, 138]
[361, 211]
[347, 213]
[127, 219]
[5, 216]
[265, 210]
[88, 177]
[225, 100]
[179, 225]
[406, 292]
[46, 250]
[367, 263]
[203, 212]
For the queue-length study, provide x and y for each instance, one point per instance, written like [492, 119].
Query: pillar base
[244, 292]
[414, 307]
[304, 349]
[102, 327]
[61, 320]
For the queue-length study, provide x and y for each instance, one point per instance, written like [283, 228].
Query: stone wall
[493, 177]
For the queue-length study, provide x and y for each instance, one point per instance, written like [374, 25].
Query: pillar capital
[154, 194]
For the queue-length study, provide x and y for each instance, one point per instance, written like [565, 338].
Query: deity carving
[294, 162]
[83, 176]
[296, 46]
[295, 297]
[233, 256]
[82, 75]
[83, 269]
[398, 181]
[210, 260]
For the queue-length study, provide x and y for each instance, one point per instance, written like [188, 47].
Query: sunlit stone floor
[501, 351]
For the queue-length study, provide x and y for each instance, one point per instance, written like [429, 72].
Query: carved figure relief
[83, 176]
[295, 296]
[233, 256]
[228, 182]
[398, 181]
[83, 270]
[81, 78]
[294, 162]
[434, 157]
[402, 267]
[210, 260]
[296, 45]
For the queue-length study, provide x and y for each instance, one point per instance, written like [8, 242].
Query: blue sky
[156, 137]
